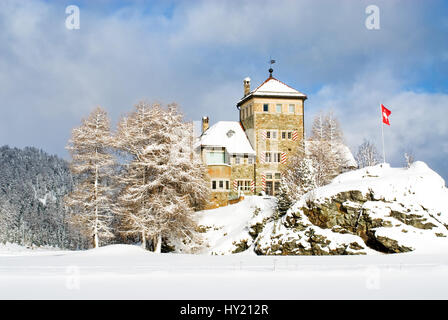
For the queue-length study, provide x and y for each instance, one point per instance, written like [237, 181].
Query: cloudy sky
[197, 53]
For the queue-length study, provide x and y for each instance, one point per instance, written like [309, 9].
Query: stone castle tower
[248, 156]
[272, 116]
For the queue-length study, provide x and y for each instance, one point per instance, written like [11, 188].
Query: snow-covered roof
[274, 87]
[227, 134]
[342, 150]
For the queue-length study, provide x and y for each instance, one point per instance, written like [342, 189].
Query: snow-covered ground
[128, 272]
[411, 203]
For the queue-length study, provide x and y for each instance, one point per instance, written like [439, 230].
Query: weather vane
[271, 62]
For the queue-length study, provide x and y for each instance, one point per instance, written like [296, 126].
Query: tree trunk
[157, 242]
[95, 232]
[143, 240]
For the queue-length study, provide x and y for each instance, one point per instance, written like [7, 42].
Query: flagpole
[382, 136]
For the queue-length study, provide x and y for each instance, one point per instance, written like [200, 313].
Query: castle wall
[260, 122]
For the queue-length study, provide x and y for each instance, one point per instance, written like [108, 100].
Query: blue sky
[197, 53]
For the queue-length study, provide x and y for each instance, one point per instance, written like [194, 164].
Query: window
[276, 187]
[276, 157]
[265, 107]
[278, 108]
[250, 160]
[212, 157]
[244, 185]
[292, 108]
[271, 134]
[272, 183]
[237, 160]
[220, 185]
[283, 134]
[289, 135]
[267, 157]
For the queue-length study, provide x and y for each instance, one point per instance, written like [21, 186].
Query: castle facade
[246, 157]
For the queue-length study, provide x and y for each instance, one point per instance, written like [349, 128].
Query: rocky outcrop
[376, 216]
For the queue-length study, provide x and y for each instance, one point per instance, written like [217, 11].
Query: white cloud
[418, 120]
[51, 77]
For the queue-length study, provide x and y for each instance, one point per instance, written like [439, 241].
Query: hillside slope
[32, 187]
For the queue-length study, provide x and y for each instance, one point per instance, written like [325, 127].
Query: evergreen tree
[32, 211]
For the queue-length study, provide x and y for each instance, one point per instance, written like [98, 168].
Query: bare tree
[367, 154]
[90, 202]
[324, 148]
[409, 158]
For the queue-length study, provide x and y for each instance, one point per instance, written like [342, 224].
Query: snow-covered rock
[388, 210]
[233, 228]
[372, 210]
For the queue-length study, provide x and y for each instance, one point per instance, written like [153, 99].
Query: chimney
[204, 124]
[246, 86]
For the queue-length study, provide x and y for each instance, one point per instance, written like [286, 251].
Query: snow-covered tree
[298, 178]
[324, 148]
[367, 155]
[162, 183]
[332, 131]
[7, 217]
[409, 158]
[91, 160]
[32, 187]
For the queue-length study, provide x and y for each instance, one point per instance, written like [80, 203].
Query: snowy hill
[228, 229]
[368, 211]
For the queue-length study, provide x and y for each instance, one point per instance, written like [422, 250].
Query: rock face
[376, 209]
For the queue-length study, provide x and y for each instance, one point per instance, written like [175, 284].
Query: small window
[274, 134]
[214, 185]
[221, 184]
[267, 157]
[278, 108]
[269, 176]
[268, 134]
[265, 107]
[276, 157]
[292, 108]
[289, 135]
[277, 175]
[250, 160]
[227, 185]
[277, 187]
[237, 160]
[283, 135]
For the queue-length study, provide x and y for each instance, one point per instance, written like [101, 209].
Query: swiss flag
[386, 113]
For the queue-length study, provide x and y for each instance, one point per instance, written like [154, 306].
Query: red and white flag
[386, 113]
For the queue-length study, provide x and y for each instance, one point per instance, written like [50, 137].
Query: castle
[248, 156]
